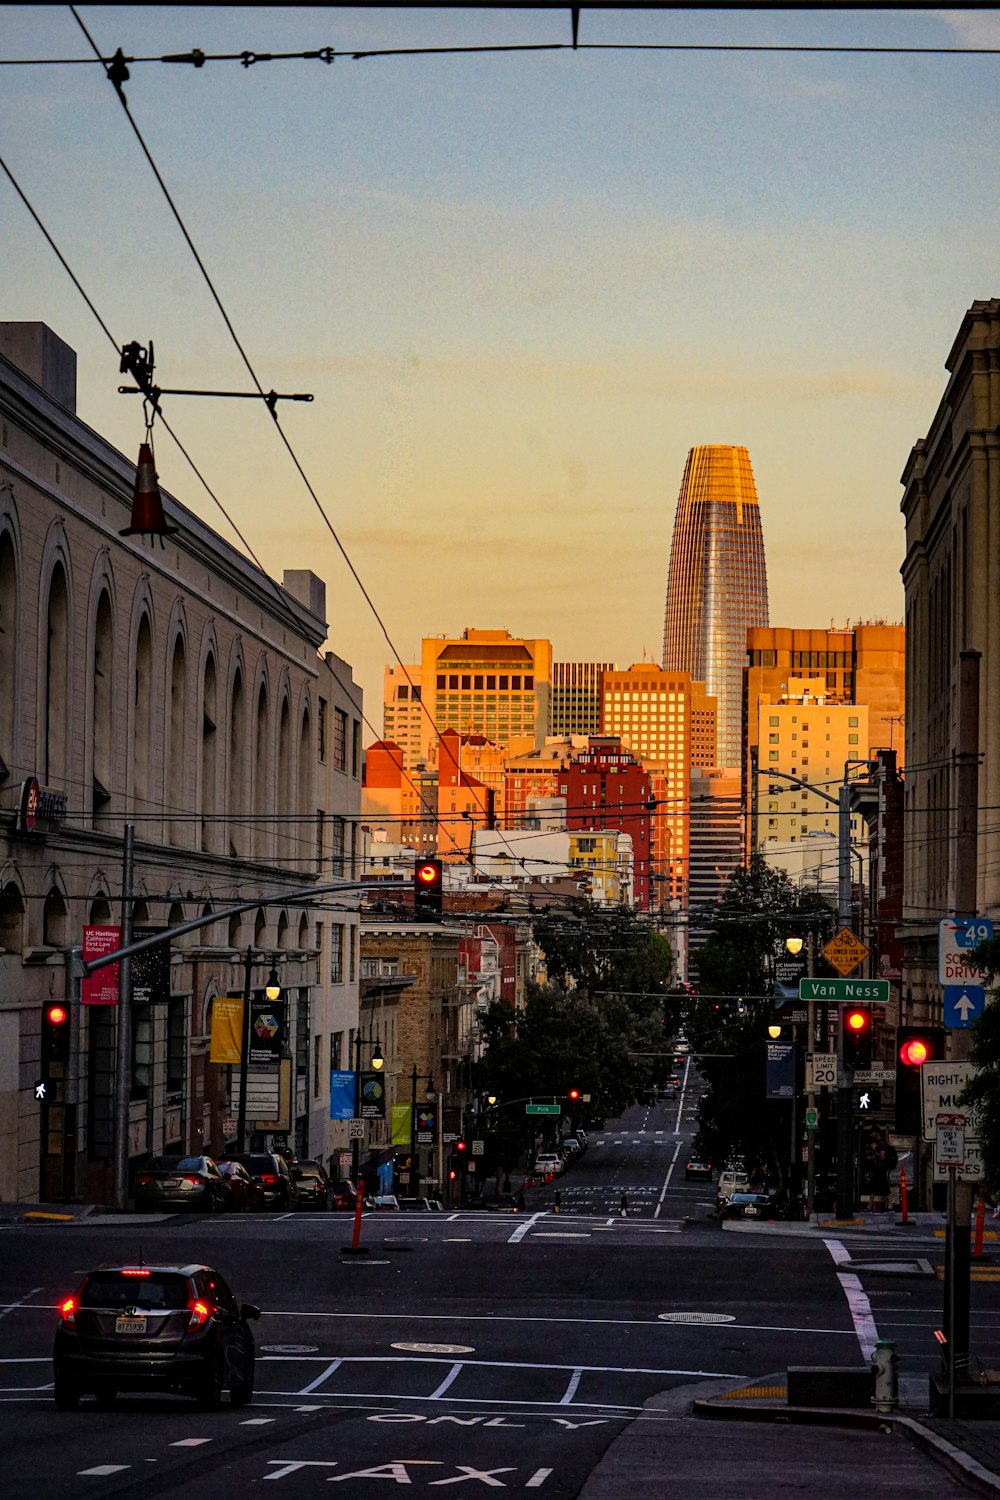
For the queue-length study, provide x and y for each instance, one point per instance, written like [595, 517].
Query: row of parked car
[250, 1182]
[553, 1161]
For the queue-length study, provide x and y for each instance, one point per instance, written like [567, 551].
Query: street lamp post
[377, 1062]
[414, 1168]
[272, 992]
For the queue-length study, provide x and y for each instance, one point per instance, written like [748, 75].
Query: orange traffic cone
[148, 518]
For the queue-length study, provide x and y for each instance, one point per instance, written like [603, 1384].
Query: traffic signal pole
[123, 1041]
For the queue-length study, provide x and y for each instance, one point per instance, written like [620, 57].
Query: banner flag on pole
[227, 1030]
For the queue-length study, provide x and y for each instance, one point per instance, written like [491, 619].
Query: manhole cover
[697, 1317]
[289, 1348]
[436, 1348]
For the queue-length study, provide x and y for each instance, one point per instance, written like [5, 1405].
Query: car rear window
[153, 1289]
[258, 1163]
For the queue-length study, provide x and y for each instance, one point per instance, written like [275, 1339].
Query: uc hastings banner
[227, 1030]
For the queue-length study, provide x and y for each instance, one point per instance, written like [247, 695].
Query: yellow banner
[227, 1030]
[401, 1118]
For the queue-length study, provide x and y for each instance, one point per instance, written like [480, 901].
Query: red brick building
[606, 787]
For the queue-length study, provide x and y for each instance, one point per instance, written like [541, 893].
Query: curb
[958, 1463]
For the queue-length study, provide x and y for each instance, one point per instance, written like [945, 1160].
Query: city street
[479, 1350]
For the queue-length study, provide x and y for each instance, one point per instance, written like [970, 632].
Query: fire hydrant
[885, 1369]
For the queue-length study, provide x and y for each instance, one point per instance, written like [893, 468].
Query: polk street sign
[962, 1004]
[543, 1109]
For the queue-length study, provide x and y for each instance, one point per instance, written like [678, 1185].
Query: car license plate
[130, 1325]
[750, 1211]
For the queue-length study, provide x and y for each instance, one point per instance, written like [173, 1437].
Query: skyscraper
[716, 583]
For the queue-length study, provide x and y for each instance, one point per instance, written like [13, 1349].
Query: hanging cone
[147, 507]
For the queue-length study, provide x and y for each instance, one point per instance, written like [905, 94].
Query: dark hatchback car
[193, 1182]
[153, 1328]
[246, 1194]
[314, 1186]
[344, 1195]
[274, 1176]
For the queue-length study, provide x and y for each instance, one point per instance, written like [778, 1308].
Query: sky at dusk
[521, 286]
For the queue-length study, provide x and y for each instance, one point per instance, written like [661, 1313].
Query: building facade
[176, 690]
[716, 847]
[716, 582]
[402, 712]
[576, 696]
[606, 787]
[486, 682]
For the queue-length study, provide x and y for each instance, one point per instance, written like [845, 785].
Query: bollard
[885, 1369]
[623, 1207]
[558, 1200]
[904, 1215]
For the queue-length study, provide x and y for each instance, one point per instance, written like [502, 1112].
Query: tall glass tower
[716, 583]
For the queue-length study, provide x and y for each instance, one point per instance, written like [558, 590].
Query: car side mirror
[249, 1313]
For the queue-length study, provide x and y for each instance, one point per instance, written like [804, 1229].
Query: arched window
[259, 928]
[236, 931]
[306, 805]
[261, 802]
[237, 808]
[54, 924]
[8, 655]
[283, 930]
[179, 831]
[209, 928]
[100, 912]
[142, 720]
[11, 919]
[209, 756]
[285, 846]
[57, 670]
[303, 931]
[102, 729]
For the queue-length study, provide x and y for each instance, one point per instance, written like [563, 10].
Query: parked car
[415, 1205]
[315, 1187]
[273, 1174]
[748, 1206]
[574, 1144]
[697, 1169]
[383, 1203]
[732, 1180]
[189, 1182]
[344, 1194]
[505, 1203]
[145, 1328]
[246, 1194]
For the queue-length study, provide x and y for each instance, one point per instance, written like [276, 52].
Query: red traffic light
[55, 1015]
[573, 1094]
[914, 1051]
[429, 873]
[460, 1146]
[856, 1020]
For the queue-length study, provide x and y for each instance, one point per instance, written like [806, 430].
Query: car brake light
[195, 1181]
[68, 1310]
[143, 1181]
[269, 1178]
[135, 1271]
[200, 1313]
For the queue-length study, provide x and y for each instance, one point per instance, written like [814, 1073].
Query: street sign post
[957, 936]
[845, 951]
[962, 1003]
[543, 1109]
[852, 991]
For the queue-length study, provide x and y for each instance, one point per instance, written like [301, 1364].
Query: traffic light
[573, 1094]
[55, 1034]
[856, 1028]
[428, 886]
[915, 1045]
[461, 1146]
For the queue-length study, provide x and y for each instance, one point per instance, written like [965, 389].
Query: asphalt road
[464, 1352]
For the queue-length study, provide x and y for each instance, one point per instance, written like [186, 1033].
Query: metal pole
[811, 1096]
[123, 1048]
[414, 1169]
[241, 1118]
[844, 854]
[356, 1144]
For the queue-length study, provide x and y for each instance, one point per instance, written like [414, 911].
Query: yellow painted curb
[988, 1234]
[754, 1391]
[49, 1218]
[838, 1223]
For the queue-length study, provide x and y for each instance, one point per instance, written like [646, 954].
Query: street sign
[854, 991]
[477, 1148]
[822, 1066]
[812, 1119]
[878, 1075]
[962, 1004]
[230, 1125]
[355, 1130]
[543, 1109]
[949, 1148]
[941, 1084]
[971, 1169]
[845, 951]
[956, 937]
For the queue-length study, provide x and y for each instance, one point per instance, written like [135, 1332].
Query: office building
[576, 696]
[486, 682]
[716, 583]
[402, 714]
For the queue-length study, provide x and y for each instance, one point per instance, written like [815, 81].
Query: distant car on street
[748, 1206]
[696, 1169]
[189, 1182]
[314, 1186]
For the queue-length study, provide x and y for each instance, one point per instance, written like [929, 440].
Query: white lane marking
[104, 1469]
[561, 1234]
[666, 1184]
[257, 1421]
[7, 1307]
[523, 1364]
[572, 1388]
[451, 1218]
[190, 1442]
[538, 1479]
[523, 1228]
[448, 1380]
[857, 1301]
[330, 1370]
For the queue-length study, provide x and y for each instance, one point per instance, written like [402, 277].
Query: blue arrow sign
[962, 1004]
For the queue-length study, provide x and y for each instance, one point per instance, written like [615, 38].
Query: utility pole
[123, 1040]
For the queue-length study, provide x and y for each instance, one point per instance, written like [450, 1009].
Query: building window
[356, 749]
[316, 1041]
[321, 729]
[176, 1048]
[337, 846]
[352, 951]
[339, 740]
[336, 1050]
[336, 953]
